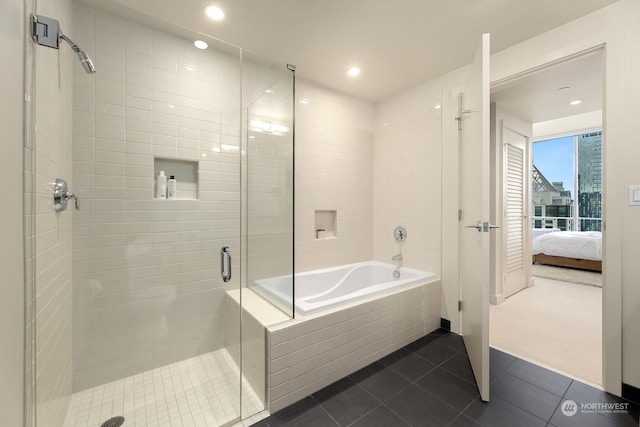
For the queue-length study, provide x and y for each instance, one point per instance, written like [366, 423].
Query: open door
[474, 220]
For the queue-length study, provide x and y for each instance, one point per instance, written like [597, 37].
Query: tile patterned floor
[430, 383]
[201, 391]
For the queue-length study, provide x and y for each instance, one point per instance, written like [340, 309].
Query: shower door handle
[225, 263]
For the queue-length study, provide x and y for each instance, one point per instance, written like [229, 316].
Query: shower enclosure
[128, 294]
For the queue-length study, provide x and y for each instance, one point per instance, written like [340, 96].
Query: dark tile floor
[430, 383]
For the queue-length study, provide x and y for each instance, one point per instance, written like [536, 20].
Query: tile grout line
[325, 411]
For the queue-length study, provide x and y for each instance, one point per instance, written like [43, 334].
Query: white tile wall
[334, 171]
[408, 177]
[147, 290]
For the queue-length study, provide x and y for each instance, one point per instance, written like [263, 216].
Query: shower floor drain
[113, 422]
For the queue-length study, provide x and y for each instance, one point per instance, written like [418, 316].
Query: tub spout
[397, 257]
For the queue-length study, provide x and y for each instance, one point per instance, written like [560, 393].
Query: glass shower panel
[267, 212]
[268, 91]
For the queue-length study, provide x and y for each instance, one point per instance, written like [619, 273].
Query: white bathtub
[320, 290]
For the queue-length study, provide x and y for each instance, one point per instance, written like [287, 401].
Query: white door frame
[612, 105]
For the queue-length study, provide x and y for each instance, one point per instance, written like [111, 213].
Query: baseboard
[496, 299]
[631, 393]
[445, 324]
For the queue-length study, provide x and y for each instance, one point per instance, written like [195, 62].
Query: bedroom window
[567, 183]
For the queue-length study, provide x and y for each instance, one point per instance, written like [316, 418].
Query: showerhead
[86, 62]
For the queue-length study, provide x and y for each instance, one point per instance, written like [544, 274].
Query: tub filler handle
[225, 263]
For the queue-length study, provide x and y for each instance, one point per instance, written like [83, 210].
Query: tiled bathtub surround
[146, 288]
[305, 355]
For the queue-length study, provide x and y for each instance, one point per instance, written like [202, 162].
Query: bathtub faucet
[397, 257]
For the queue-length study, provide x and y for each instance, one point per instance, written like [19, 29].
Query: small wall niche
[325, 225]
[186, 173]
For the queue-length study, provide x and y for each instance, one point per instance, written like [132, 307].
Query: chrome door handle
[478, 226]
[483, 226]
[225, 263]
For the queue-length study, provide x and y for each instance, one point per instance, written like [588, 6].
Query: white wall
[334, 171]
[560, 127]
[11, 250]
[407, 177]
[147, 287]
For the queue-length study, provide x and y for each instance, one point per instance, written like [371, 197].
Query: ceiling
[545, 95]
[397, 44]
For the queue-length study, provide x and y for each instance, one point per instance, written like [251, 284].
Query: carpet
[553, 324]
[570, 275]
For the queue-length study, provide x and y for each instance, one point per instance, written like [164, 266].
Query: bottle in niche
[161, 186]
[171, 188]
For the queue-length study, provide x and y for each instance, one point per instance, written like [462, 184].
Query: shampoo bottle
[171, 186]
[161, 186]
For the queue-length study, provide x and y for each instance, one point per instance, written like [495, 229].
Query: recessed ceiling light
[575, 102]
[215, 13]
[200, 44]
[437, 106]
[353, 71]
[304, 100]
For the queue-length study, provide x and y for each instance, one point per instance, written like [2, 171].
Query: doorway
[532, 316]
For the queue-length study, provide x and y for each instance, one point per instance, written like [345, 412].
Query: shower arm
[74, 46]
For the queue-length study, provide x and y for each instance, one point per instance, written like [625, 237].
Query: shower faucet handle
[61, 195]
[75, 199]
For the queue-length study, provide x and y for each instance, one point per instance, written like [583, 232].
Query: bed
[573, 249]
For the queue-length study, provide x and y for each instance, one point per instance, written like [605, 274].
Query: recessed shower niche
[185, 173]
[326, 225]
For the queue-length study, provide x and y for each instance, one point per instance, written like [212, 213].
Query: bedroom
[550, 310]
